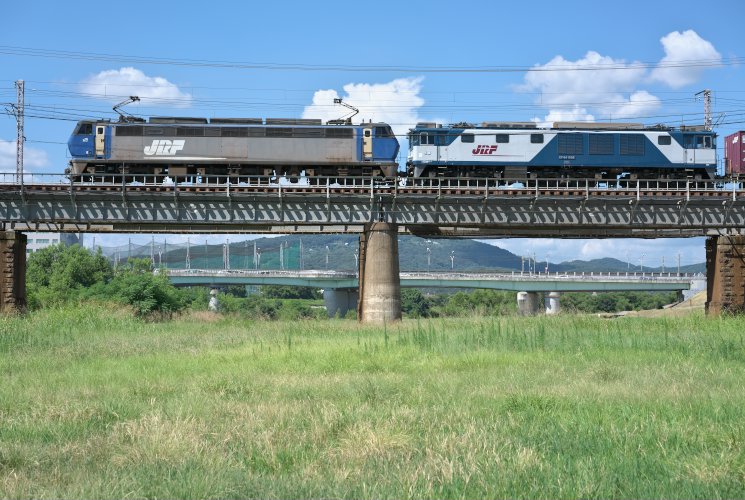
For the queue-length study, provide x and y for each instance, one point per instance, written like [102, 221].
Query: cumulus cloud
[681, 48]
[581, 90]
[116, 84]
[691, 250]
[396, 102]
[561, 82]
[569, 88]
[637, 104]
[575, 114]
[32, 158]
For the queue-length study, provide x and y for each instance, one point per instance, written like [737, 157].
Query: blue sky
[399, 62]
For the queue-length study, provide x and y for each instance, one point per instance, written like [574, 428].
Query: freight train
[232, 147]
[566, 150]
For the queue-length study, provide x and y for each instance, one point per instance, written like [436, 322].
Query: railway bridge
[378, 210]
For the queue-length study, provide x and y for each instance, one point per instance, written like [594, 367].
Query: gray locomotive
[232, 147]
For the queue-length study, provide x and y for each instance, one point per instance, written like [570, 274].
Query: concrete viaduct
[340, 288]
[378, 210]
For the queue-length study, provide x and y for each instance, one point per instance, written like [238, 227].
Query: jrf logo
[483, 149]
[164, 147]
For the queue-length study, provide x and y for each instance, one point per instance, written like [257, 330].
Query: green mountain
[415, 254]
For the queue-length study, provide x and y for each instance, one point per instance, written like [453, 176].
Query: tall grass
[96, 404]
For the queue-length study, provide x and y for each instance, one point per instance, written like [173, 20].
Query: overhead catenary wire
[133, 59]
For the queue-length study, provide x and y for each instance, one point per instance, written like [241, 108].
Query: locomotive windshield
[84, 128]
[699, 142]
[383, 131]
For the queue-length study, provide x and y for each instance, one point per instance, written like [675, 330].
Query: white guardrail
[512, 276]
[680, 186]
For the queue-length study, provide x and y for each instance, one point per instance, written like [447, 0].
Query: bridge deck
[458, 207]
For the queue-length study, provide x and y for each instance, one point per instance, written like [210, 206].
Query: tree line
[61, 274]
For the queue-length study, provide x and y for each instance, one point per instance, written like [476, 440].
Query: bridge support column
[214, 304]
[527, 303]
[552, 303]
[380, 283]
[12, 272]
[725, 274]
[339, 301]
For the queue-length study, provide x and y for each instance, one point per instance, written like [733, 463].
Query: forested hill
[467, 255]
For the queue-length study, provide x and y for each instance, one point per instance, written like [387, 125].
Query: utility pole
[20, 87]
[302, 256]
[188, 254]
[707, 108]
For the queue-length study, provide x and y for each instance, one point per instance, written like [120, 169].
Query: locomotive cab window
[383, 132]
[425, 138]
[536, 138]
[84, 129]
[664, 140]
[703, 142]
[467, 138]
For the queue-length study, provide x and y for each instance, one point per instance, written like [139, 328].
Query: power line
[413, 92]
[94, 56]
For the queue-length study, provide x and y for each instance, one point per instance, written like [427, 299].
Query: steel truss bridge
[585, 208]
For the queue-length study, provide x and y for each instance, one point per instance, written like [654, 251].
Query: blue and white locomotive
[232, 147]
[567, 150]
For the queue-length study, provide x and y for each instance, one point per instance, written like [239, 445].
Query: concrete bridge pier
[339, 301]
[380, 282]
[552, 303]
[527, 303]
[725, 274]
[214, 304]
[12, 272]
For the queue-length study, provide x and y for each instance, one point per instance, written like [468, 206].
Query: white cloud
[116, 84]
[575, 114]
[637, 105]
[681, 48]
[581, 91]
[562, 82]
[396, 102]
[32, 158]
[691, 250]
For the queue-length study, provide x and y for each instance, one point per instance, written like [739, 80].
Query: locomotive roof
[314, 122]
[560, 126]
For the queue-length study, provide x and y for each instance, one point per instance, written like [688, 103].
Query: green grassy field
[95, 404]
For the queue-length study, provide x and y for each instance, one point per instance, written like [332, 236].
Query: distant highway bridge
[516, 281]
[340, 289]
